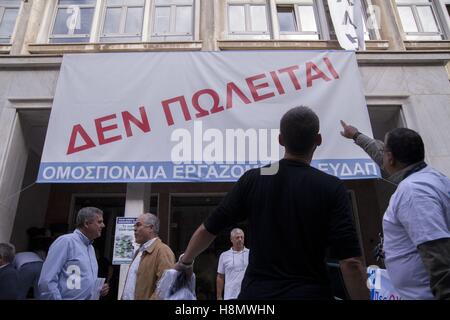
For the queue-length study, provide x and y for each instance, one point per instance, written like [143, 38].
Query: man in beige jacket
[149, 262]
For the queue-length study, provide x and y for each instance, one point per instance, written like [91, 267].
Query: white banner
[348, 23]
[197, 116]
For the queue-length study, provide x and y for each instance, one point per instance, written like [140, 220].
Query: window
[419, 20]
[298, 19]
[123, 21]
[248, 19]
[446, 9]
[369, 14]
[173, 20]
[9, 9]
[72, 21]
[384, 118]
[284, 19]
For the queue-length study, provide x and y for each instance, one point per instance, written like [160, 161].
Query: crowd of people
[298, 218]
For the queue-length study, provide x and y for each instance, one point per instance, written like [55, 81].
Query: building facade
[404, 71]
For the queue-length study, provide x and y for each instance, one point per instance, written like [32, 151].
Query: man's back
[9, 283]
[294, 216]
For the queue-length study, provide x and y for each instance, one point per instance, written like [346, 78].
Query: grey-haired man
[9, 282]
[70, 269]
[232, 266]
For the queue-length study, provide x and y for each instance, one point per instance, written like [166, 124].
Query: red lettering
[184, 108]
[101, 130]
[232, 87]
[202, 112]
[292, 76]
[253, 88]
[277, 82]
[127, 117]
[319, 74]
[331, 68]
[88, 143]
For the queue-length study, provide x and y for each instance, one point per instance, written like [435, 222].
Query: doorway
[187, 212]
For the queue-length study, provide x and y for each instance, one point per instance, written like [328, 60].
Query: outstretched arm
[200, 240]
[374, 148]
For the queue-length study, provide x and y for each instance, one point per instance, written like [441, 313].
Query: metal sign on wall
[197, 116]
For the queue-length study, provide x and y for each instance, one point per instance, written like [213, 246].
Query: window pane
[162, 20]
[121, 39]
[62, 22]
[112, 20]
[169, 2]
[307, 18]
[8, 21]
[407, 17]
[259, 20]
[84, 26]
[77, 2]
[286, 19]
[129, 3]
[80, 20]
[134, 20]
[183, 21]
[69, 40]
[412, 1]
[9, 3]
[427, 19]
[236, 18]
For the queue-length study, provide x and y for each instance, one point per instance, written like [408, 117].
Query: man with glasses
[416, 224]
[149, 262]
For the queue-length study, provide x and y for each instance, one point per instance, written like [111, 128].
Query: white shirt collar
[242, 251]
[146, 245]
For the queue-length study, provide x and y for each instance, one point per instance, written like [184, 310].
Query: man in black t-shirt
[297, 217]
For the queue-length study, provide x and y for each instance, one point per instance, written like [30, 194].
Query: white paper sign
[380, 285]
[124, 243]
[96, 290]
[198, 116]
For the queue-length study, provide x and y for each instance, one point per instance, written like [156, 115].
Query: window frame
[420, 34]
[248, 33]
[87, 36]
[3, 7]
[96, 33]
[168, 36]
[273, 33]
[370, 34]
[103, 37]
[299, 34]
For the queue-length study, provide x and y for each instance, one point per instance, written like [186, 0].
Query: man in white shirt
[232, 266]
[416, 225]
